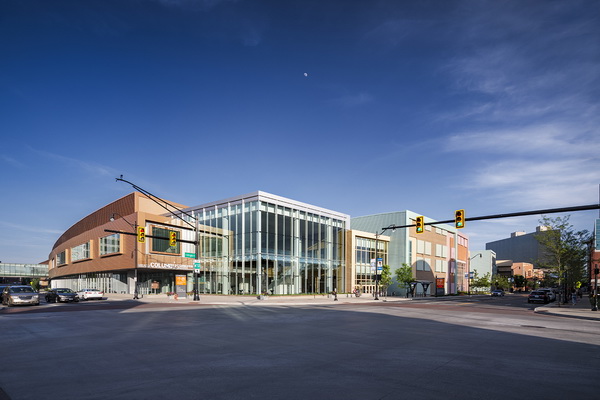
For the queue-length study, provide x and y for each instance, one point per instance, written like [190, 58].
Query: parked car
[551, 294]
[88, 294]
[20, 294]
[61, 295]
[498, 292]
[538, 296]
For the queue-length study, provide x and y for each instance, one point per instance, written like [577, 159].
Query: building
[263, 243]
[23, 273]
[438, 256]
[520, 247]
[483, 262]
[361, 259]
[251, 244]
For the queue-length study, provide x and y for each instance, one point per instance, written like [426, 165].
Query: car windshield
[21, 289]
[64, 291]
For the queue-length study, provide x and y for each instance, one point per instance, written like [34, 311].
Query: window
[110, 244]
[441, 250]
[420, 264]
[81, 252]
[61, 258]
[428, 248]
[420, 246]
[162, 245]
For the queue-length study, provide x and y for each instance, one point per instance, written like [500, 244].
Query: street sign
[197, 265]
[190, 255]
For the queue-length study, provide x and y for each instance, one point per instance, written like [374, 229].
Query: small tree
[481, 282]
[404, 276]
[501, 282]
[386, 277]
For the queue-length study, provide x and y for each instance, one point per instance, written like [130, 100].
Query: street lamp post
[596, 271]
[135, 254]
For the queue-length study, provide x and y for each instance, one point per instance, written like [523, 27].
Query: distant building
[22, 273]
[520, 247]
[483, 262]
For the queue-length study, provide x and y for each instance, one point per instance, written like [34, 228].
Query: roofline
[269, 197]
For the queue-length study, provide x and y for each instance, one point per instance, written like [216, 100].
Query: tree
[404, 276]
[564, 250]
[501, 282]
[386, 277]
[480, 282]
[520, 281]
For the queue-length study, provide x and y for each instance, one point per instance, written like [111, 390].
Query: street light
[471, 276]
[596, 271]
[135, 254]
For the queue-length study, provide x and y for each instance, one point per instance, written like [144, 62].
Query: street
[467, 348]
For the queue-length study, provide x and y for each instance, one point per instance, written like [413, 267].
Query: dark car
[538, 296]
[61, 295]
[20, 294]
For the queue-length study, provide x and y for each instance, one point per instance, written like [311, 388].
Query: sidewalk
[254, 300]
[582, 309]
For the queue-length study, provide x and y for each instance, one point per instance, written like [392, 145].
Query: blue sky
[362, 107]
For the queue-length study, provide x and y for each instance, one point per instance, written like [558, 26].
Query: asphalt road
[467, 348]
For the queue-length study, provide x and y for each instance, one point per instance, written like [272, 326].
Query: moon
[306, 74]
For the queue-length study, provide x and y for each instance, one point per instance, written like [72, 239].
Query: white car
[87, 294]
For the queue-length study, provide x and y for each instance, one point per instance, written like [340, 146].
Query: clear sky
[362, 107]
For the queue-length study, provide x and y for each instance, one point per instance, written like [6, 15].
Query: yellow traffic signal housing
[172, 238]
[459, 219]
[141, 234]
[420, 224]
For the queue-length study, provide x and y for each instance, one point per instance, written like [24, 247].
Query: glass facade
[261, 246]
[23, 270]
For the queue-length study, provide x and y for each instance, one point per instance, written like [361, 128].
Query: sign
[181, 286]
[190, 255]
[197, 265]
[440, 284]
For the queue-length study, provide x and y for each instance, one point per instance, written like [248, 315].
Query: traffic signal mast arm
[497, 216]
[149, 236]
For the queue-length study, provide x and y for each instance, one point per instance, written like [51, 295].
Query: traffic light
[459, 219]
[172, 238]
[141, 234]
[420, 224]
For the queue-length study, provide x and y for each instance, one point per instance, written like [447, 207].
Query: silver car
[20, 295]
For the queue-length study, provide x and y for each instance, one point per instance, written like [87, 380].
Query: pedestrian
[573, 296]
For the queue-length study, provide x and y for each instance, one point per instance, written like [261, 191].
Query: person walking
[573, 297]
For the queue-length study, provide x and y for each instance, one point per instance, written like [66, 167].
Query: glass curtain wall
[260, 247]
